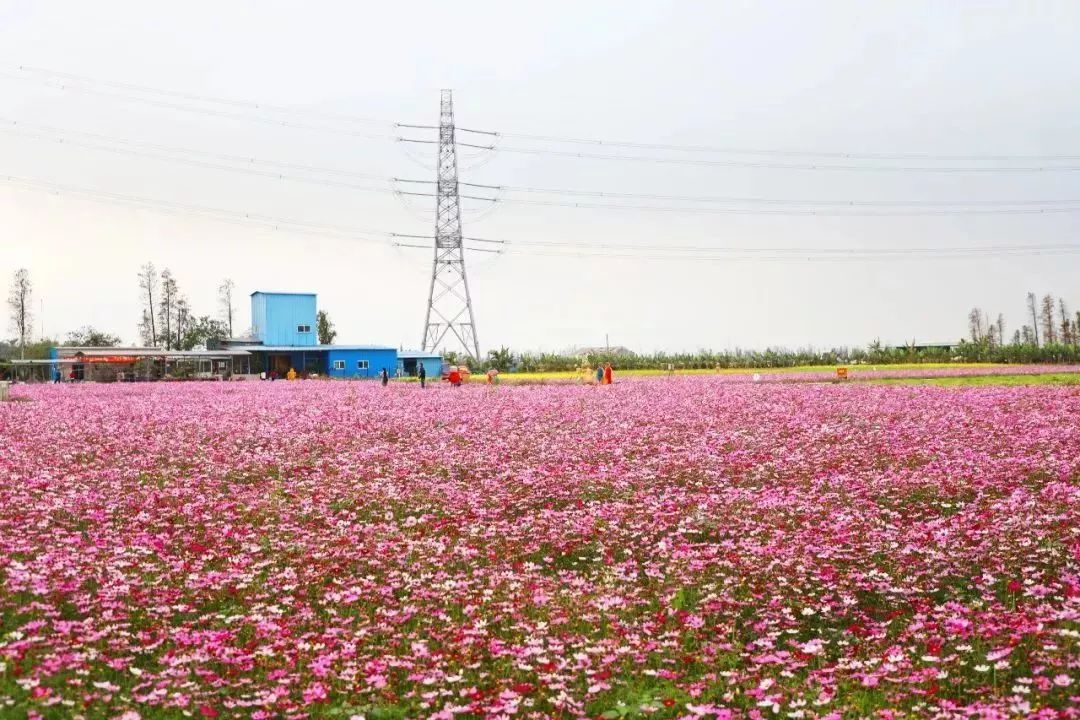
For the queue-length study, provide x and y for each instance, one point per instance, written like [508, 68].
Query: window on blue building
[303, 328]
[361, 364]
[339, 364]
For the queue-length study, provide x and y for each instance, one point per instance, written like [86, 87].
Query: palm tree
[501, 359]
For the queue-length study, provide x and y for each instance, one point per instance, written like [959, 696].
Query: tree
[225, 295]
[975, 323]
[1067, 329]
[19, 303]
[1034, 317]
[183, 317]
[325, 328]
[170, 293]
[501, 359]
[148, 285]
[1049, 336]
[200, 332]
[88, 336]
[1001, 329]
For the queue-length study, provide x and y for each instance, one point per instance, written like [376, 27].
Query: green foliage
[202, 332]
[325, 328]
[88, 336]
[501, 359]
[873, 354]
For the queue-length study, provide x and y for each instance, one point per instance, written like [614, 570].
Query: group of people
[604, 375]
[421, 374]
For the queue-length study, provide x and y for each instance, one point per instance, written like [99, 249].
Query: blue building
[285, 337]
[284, 318]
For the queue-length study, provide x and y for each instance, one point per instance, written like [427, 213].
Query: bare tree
[975, 324]
[1049, 336]
[148, 284]
[1001, 329]
[1028, 336]
[1067, 328]
[226, 296]
[19, 303]
[170, 293]
[1034, 316]
[183, 321]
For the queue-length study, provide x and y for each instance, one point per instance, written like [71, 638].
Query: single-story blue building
[409, 362]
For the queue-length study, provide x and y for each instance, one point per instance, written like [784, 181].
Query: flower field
[684, 547]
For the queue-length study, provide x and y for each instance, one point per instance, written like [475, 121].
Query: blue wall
[275, 318]
[432, 365]
[377, 359]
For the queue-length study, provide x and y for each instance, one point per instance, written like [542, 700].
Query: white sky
[893, 77]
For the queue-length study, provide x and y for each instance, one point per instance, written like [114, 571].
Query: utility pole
[450, 309]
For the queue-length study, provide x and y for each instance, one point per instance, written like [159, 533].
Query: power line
[790, 212]
[136, 92]
[18, 125]
[210, 99]
[169, 153]
[136, 150]
[246, 117]
[600, 249]
[266, 221]
[773, 152]
[756, 200]
[790, 165]
[538, 247]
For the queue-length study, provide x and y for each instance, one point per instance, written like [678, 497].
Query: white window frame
[339, 364]
[303, 329]
[362, 365]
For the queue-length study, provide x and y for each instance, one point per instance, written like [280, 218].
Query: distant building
[614, 350]
[283, 326]
[284, 336]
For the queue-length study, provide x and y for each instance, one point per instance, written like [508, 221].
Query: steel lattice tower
[449, 303]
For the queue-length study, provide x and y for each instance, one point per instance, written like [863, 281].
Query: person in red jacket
[455, 377]
[607, 374]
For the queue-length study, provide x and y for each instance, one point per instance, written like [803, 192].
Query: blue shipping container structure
[285, 337]
[360, 361]
[409, 361]
[284, 318]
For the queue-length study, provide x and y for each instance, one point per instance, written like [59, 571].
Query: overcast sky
[896, 78]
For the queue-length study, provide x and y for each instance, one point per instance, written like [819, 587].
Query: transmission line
[209, 111]
[773, 152]
[768, 165]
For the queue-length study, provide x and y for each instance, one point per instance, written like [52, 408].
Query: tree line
[1049, 333]
[167, 320]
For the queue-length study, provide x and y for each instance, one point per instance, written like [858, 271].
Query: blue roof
[418, 354]
[272, 292]
[307, 348]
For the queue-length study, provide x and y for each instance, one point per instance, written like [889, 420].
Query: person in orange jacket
[608, 379]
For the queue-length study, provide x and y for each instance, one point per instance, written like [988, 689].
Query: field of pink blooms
[670, 548]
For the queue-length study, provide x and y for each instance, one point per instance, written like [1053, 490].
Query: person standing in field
[608, 378]
[385, 377]
[599, 374]
[455, 377]
[422, 374]
[291, 375]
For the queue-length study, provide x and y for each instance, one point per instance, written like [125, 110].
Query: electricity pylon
[450, 309]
